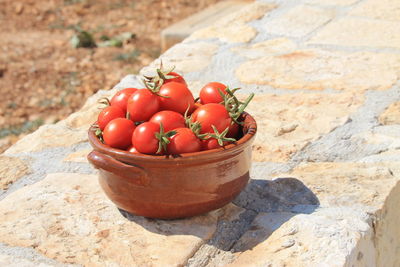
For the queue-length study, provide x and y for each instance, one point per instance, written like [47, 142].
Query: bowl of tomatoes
[163, 154]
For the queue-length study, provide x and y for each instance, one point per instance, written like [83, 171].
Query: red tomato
[132, 149]
[108, 114]
[120, 99]
[118, 133]
[142, 105]
[210, 93]
[233, 130]
[178, 78]
[144, 138]
[211, 143]
[169, 119]
[212, 114]
[184, 141]
[178, 97]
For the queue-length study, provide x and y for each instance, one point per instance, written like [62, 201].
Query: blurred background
[54, 54]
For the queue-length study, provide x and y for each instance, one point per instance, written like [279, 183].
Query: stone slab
[391, 115]
[179, 31]
[317, 69]
[359, 32]
[347, 183]
[288, 122]
[11, 169]
[332, 2]
[294, 25]
[66, 217]
[378, 9]
[327, 237]
[185, 57]
[234, 28]
[48, 136]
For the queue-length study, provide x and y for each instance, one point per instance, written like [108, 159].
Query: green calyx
[233, 105]
[221, 137]
[194, 126]
[98, 133]
[154, 83]
[163, 139]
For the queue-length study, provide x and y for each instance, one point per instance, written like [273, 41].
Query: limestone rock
[47, 136]
[233, 28]
[12, 261]
[66, 217]
[359, 32]
[295, 25]
[378, 9]
[317, 69]
[332, 2]
[11, 169]
[347, 183]
[185, 57]
[269, 47]
[391, 115]
[327, 237]
[78, 156]
[286, 123]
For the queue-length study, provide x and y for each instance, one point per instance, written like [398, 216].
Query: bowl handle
[136, 174]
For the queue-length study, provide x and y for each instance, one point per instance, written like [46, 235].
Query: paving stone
[391, 115]
[66, 217]
[378, 9]
[327, 237]
[359, 32]
[78, 156]
[12, 261]
[294, 25]
[11, 169]
[272, 46]
[179, 31]
[288, 122]
[317, 69]
[332, 2]
[47, 136]
[234, 28]
[185, 57]
[347, 183]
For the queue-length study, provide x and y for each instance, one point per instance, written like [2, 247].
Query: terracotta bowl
[169, 188]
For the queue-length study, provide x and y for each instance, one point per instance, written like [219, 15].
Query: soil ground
[43, 78]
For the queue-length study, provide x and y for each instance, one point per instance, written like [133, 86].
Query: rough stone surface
[11, 169]
[10, 261]
[378, 9]
[317, 69]
[300, 236]
[234, 28]
[391, 115]
[359, 32]
[332, 2]
[186, 57]
[51, 135]
[68, 218]
[293, 25]
[273, 46]
[347, 183]
[78, 156]
[288, 122]
[324, 187]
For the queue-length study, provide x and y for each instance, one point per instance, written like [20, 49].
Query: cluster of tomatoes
[165, 119]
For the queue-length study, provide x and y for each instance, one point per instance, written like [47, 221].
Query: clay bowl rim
[212, 154]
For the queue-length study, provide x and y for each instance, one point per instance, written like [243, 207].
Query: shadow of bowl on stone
[286, 197]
